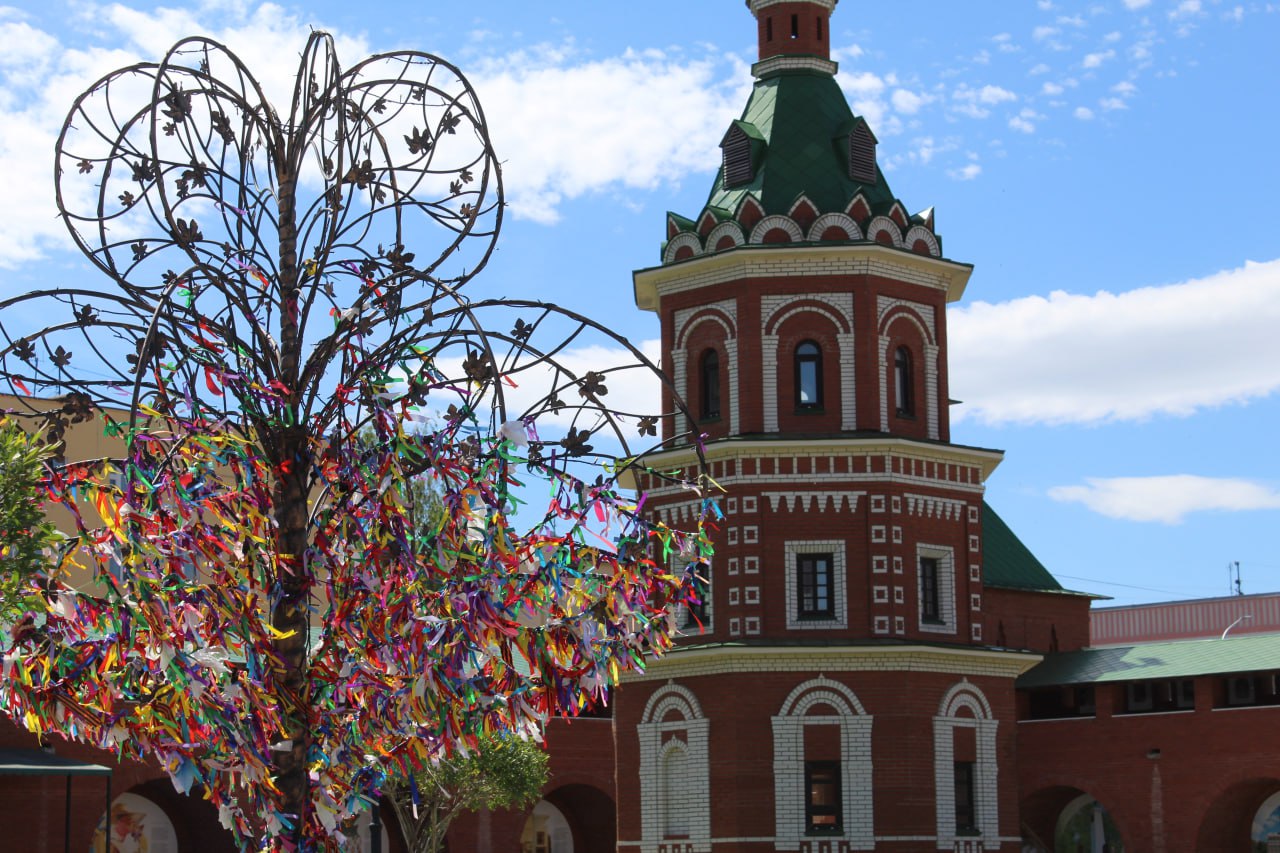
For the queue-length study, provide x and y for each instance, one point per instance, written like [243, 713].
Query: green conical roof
[804, 120]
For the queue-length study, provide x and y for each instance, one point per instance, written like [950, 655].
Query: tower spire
[793, 27]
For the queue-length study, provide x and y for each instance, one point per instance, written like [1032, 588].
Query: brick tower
[840, 688]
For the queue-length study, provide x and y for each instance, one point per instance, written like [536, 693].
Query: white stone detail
[884, 225]
[680, 241]
[774, 311]
[834, 220]
[856, 781]
[786, 223]
[655, 784]
[839, 589]
[932, 506]
[919, 232]
[827, 501]
[725, 314]
[725, 229]
[986, 769]
[946, 589]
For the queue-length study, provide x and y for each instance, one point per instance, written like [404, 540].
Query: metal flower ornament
[289, 360]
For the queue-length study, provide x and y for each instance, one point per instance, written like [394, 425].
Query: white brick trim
[839, 588]
[856, 769]
[777, 220]
[919, 232]
[695, 787]
[946, 558]
[834, 220]
[680, 241]
[968, 696]
[725, 314]
[884, 225]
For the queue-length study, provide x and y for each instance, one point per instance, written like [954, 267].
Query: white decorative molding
[932, 506]
[774, 64]
[776, 309]
[673, 711]
[786, 223]
[884, 225]
[814, 501]
[967, 697]
[725, 314]
[919, 232]
[682, 240]
[839, 587]
[729, 229]
[834, 220]
[856, 770]
[946, 589]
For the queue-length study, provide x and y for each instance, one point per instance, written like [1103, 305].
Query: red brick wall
[1031, 620]
[1215, 767]
[811, 33]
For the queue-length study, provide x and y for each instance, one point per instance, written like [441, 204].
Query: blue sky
[1108, 167]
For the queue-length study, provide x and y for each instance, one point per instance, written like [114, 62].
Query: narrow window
[768, 29]
[808, 376]
[904, 391]
[795, 26]
[822, 808]
[709, 373]
[819, 28]
[698, 608]
[966, 814]
[814, 583]
[929, 609]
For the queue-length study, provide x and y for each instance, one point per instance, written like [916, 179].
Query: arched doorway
[1244, 816]
[1085, 827]
[572, 819]
[546, 831]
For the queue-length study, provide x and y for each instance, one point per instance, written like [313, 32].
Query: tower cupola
[793, 27]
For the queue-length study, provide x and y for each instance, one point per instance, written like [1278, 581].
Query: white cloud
[1113, 104]
[974, 102]
[965, 173]
[1167, 499]
[1095, 60]
[1083, 113]
[908, 102]
[1136, 4]
[1072, 358]
[1051, 89]
[1025, 121]
[1043, 32]
[633, 121]
[1124, 89]
[1186, 9]
[1039, 69]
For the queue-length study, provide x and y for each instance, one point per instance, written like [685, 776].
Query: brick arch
[827, 221]
[730, 232]
[965, 694]
[884, 225]
[776, 222]
[590, 812]
[913, 317]
[682, 246]
[671, 697]
[917, 234]
[657, 733]
[964, 697]
[1227, 823]
[707, 314]
[821, 689]
[856, 779]
[839, 373]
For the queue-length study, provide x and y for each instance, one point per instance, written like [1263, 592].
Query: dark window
[966, 814]
[768, 29]
[709, 373]
[819, 28]
[929, 603]
[795, 26]
[814, 583]
[698, 606]
[808, 376]
[903, 387]
[822, 811]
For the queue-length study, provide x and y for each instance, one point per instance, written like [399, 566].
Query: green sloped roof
[1006, 562]
[1176, 659]
[800, 115]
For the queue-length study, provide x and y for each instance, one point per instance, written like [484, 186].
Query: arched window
[903, 387]
[808, 376]
[709, 374]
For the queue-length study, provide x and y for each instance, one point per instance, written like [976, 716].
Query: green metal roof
[800, 115]
[1006, 562]
[1175, 659]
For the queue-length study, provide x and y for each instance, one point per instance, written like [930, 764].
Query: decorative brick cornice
[730, 659]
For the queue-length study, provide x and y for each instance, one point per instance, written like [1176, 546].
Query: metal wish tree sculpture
[287, 355]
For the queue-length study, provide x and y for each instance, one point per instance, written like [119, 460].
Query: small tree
[270, 620]
[25, 533]
[500, 773]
